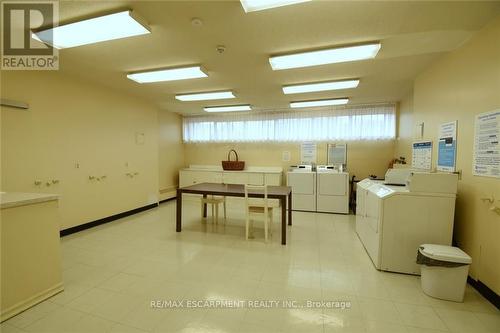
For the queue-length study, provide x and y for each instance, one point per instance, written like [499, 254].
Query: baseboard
[32, 301]
[166, 200]
[484, 290]
[108, 219]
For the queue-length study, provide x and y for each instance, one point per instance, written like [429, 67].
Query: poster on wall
[447, 147]
[486, 159]
[308, 152]
[421, 156]
[337, 154]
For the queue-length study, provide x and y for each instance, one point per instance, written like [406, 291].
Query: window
[348, 123]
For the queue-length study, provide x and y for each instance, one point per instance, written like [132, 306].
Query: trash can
[444, 271]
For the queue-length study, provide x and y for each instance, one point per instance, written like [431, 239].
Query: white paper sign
[308, 152]
[486, 159]
[422, 155]
[447, 147]
[285, 156]
[337, 153]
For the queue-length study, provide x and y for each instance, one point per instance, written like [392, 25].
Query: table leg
[290, 209]
[178, 226]
[283, 220]
[205, 206]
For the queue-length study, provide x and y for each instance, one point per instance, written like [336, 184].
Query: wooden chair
[214, 202]
[258, 207]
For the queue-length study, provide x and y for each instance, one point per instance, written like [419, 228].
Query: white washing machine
[332, 190]
[302, 180]
[392, 221]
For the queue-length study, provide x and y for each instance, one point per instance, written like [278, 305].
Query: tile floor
[113, 272]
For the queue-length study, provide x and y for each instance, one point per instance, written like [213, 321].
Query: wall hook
[490, 199]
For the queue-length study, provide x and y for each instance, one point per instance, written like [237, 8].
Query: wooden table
[235, 190]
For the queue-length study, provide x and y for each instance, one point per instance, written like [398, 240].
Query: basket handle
[229, 155]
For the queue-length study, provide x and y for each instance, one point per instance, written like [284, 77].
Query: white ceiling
[413, 34]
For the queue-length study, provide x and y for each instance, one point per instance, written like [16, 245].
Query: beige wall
[363, 157]
[171, 152]
[73, 130]
[405, 128]
[459, 86]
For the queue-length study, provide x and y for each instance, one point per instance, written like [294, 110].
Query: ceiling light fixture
[322, 102]
[255, 5]
[323, 57]
[228, 108]
[320, 86]
[205, 96]
[94, 30]
[171, 74]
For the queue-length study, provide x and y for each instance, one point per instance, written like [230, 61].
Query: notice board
[486, 159]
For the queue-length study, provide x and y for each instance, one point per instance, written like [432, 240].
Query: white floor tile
[420, 316]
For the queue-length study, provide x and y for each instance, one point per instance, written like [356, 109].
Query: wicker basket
[233, 165]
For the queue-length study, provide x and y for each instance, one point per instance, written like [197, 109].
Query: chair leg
[247, 225]
[265, 226]
[216, 213]
[224, 203]
[271, 222]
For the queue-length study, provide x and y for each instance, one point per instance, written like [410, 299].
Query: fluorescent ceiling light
[171, 74]
[320, 86]
[255, 5]
[323, 57]
[95, 30]
[228, 108]
[205, 96]
[322, 102]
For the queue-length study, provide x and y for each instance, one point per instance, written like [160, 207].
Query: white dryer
[302, 180]
[392, 221]
[332, 190]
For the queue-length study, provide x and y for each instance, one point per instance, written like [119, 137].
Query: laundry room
[250, 166]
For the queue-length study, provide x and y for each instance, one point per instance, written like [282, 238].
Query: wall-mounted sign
[308, 152]
[286, 156]
[447, 147]
[422, 155]
[486, 159]
[337, 154]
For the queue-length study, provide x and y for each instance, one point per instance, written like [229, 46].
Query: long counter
[30, 251]
[196, 174]
[15, 199]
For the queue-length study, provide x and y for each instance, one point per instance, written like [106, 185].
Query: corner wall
[460, 85]
[170, 153]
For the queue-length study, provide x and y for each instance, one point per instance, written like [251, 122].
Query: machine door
[304, 190]
[332, 184]
[372, 210]
[361, 194]
[302, 183]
